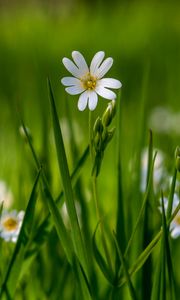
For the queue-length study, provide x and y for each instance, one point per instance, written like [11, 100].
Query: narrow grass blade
[142, 258]
[120, 222]
[168, 257]
[56, 216]
[66, 181]
[163, 252]
[145, 254]
[128, 279]
[155, 295]
[80, 192]
[146, 228]
[101, 261]
[171, 195]
[142, 207]
[58, 223]
[16, 262]
[82, 279]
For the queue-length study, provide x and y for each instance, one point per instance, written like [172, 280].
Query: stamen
[177, 219]
[10, 224]
[89, 82]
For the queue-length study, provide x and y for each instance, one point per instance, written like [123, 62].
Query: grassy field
[143, 39]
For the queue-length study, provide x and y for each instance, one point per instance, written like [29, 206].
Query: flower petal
[69, 81]
[104, 68]
[71, 67]
[96, 61]
[74, 90]
[80, 62]
[82, 102]
[175, 232]
[110, 83]
[105, 93]
[93, 100]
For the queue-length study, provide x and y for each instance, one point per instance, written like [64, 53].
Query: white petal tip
[74, 53]
[92, 108]
[120, 85]
[64, 60]
[81, 107]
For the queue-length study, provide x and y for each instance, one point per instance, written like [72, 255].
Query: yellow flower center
[10, 224]
[177, 219]
[89, 82]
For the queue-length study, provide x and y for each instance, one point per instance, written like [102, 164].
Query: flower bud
[97, 141]
[98, 126]
[109, 113]
[107, 137]
[113, 107]
[107, 116]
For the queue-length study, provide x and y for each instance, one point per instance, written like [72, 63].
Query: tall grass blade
[107, 272]
[82, 279]
[120, 219]
[123, 262]
[56, 216]
[66, 181]
[146, 228]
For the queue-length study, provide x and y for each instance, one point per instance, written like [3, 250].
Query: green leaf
[16, 262]
[66, 181]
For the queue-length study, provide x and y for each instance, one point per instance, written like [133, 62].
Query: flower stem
[90, 134]
[95, 196]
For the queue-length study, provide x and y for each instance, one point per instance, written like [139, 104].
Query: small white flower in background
[165, 121]
[159, 170]
[10, 225]
[175, 224]
[89, 81]
[6, 196]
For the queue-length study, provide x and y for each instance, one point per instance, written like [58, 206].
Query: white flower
[89, 81]
[175, 224]
[10, 225]
[6, 196]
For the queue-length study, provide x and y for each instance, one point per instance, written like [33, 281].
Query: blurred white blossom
[159, 169]
[175, 224]
[6, 196]
[163, 120]
[10, 225]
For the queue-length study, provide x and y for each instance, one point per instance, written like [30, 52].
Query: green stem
[95, 196]
[90, 134]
